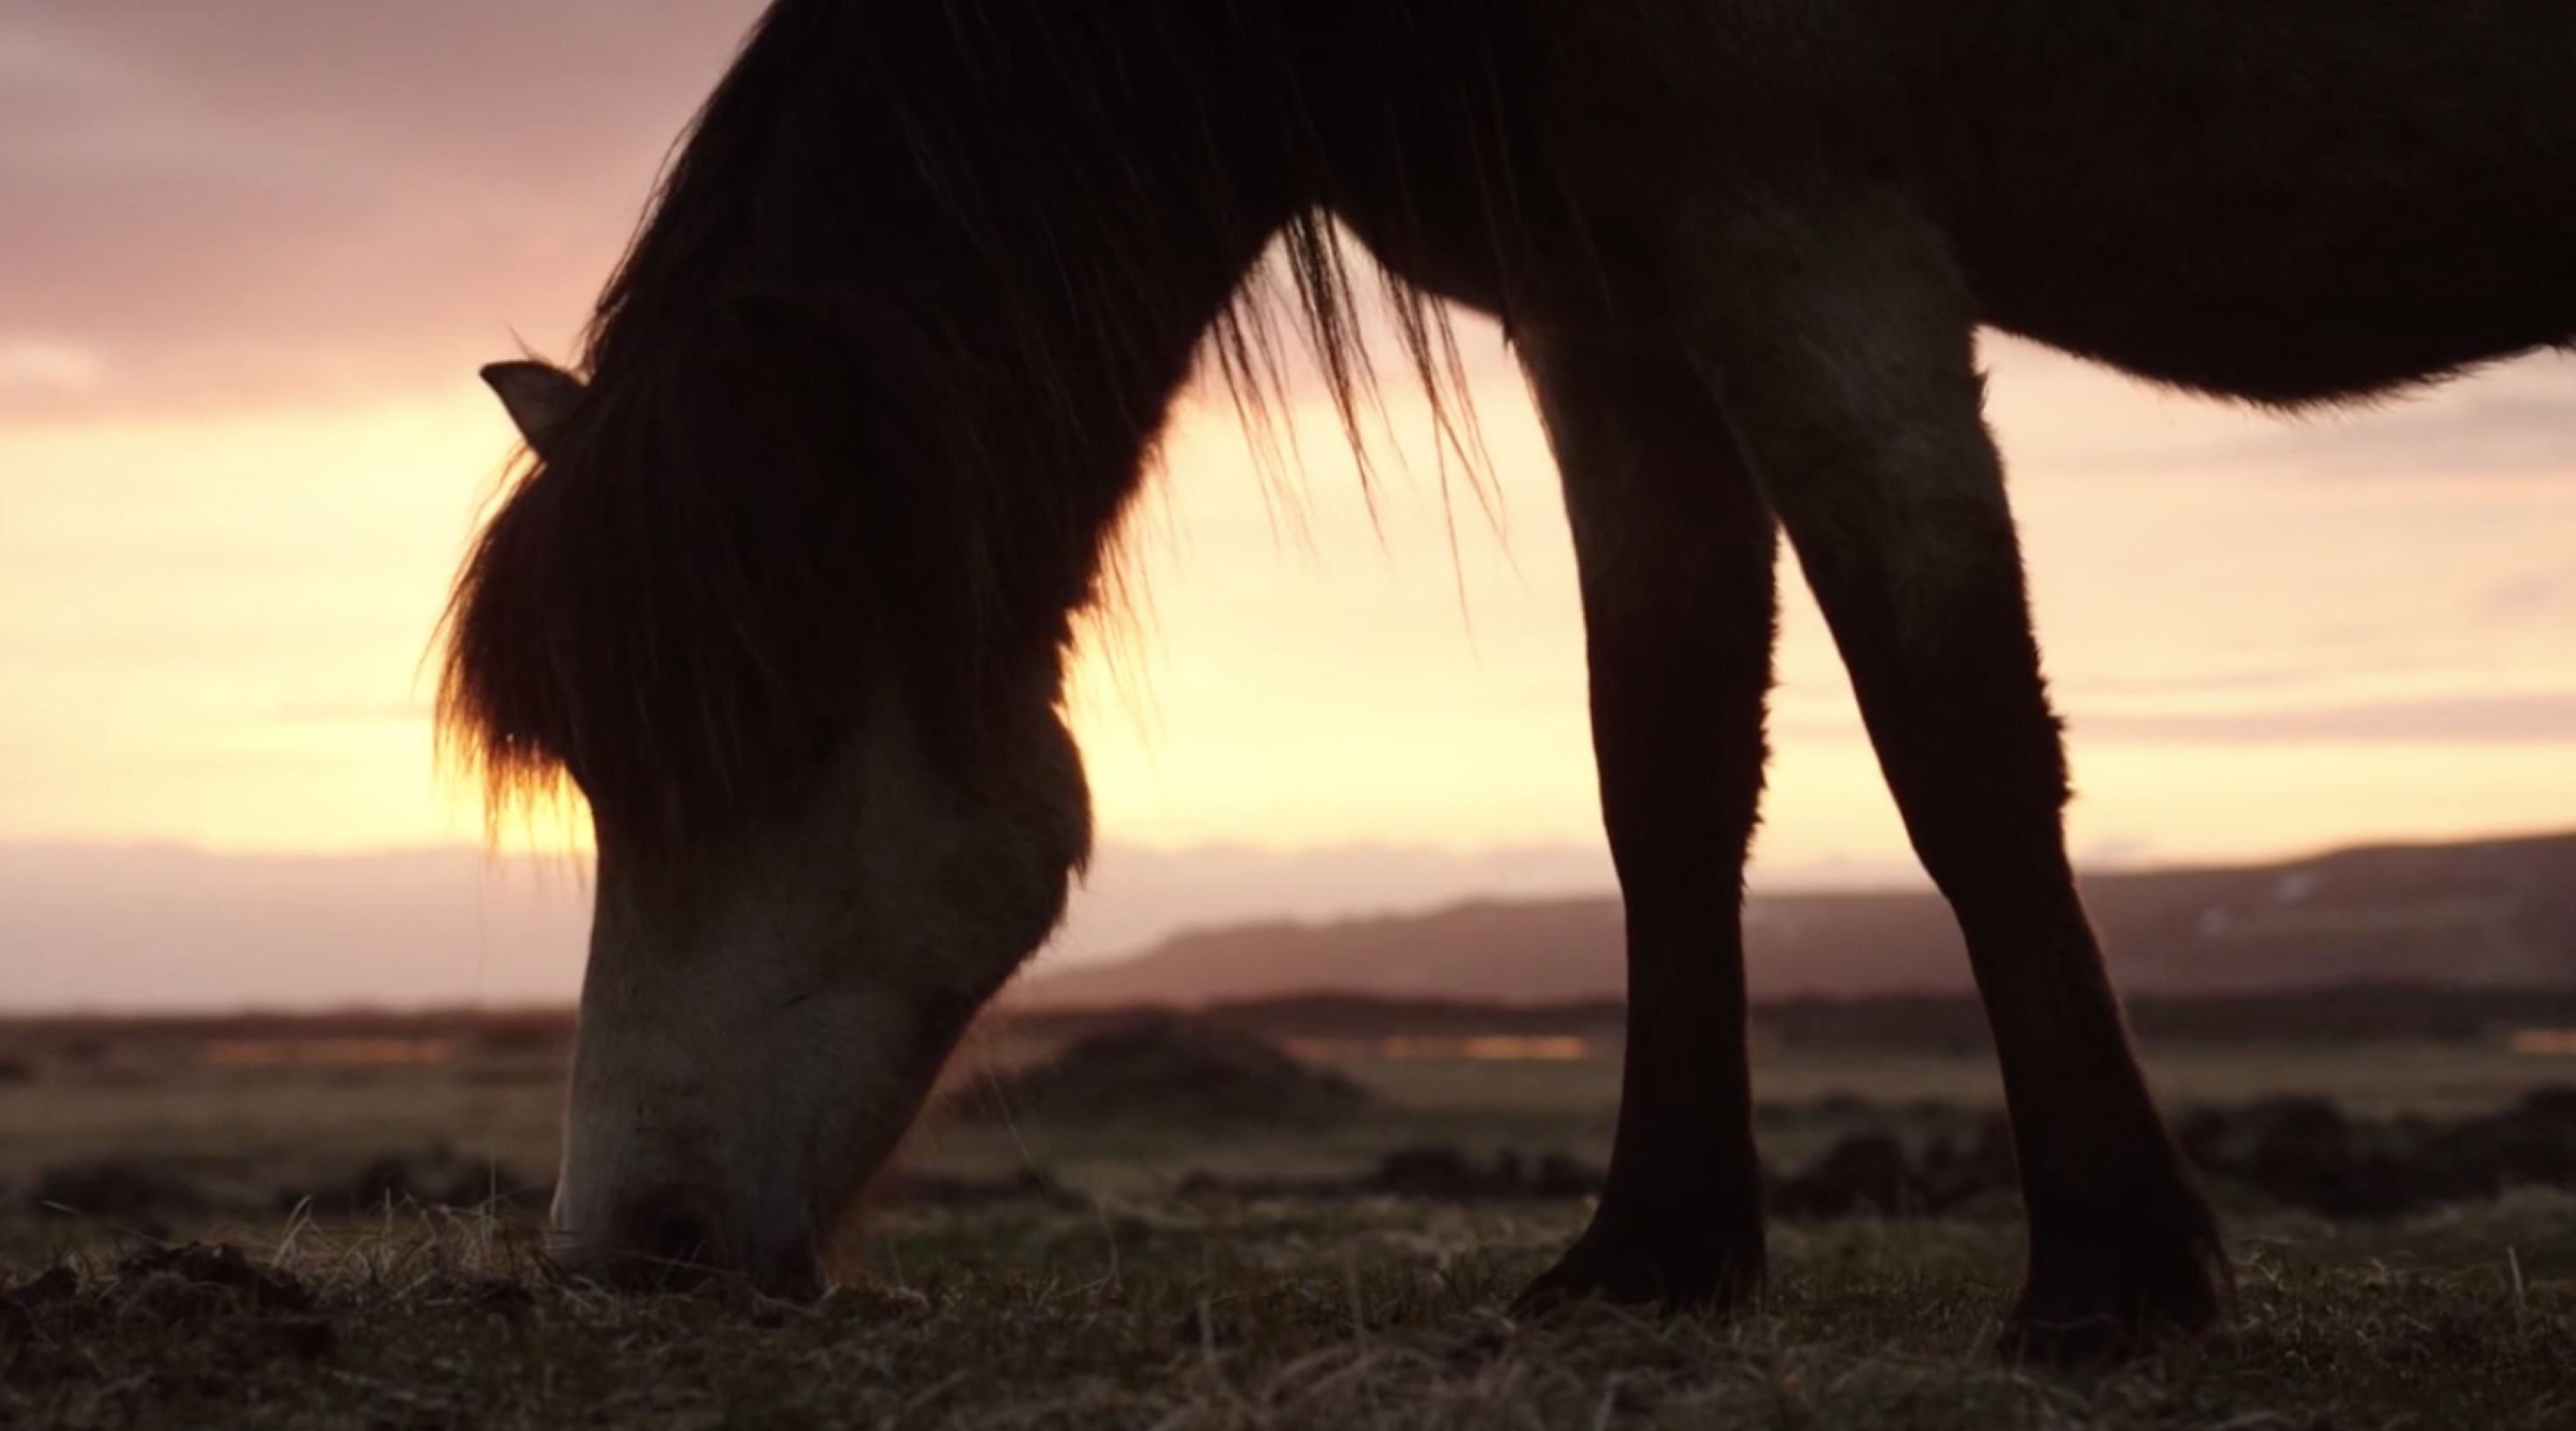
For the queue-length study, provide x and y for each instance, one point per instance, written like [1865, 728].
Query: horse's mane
[673, 598]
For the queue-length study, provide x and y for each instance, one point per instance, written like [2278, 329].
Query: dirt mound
[2303, 1152]
[1168, 1070]
[1425, 1172]
[211, 1318]
[1863, 1173]
[232, 1276]
[1028, 1185]
[2308, 1152]
[1444, 1173]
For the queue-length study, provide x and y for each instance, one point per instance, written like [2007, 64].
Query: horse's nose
[667, 1235]
[672, 1236]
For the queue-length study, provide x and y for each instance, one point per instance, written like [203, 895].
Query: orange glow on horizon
[214, 631]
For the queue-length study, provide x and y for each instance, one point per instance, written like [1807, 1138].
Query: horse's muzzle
[675, 1237]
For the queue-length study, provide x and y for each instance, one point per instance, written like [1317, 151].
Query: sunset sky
[254, 250]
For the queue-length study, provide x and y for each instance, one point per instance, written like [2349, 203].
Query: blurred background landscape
[257, 955]
[2363, 1035]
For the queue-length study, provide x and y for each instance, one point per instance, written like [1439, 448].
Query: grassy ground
[1140, 1310]
[1344, 1317]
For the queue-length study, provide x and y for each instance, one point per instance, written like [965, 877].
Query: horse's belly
[2290, 323]
[2289, 224]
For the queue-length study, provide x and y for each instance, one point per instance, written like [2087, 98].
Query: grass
[1143, 1311]
[1379, 1315]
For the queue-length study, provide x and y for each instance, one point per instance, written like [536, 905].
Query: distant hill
[130, 930]
[2494, 913]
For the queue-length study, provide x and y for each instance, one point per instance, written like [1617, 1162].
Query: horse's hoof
[2132, 1308]
[1663, 1279]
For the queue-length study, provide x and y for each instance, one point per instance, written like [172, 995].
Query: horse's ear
[539, 397]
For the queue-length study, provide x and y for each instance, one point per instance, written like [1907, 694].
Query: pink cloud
[292, 200]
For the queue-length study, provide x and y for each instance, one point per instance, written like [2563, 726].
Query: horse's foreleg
[1839, 345]
[1676, 552]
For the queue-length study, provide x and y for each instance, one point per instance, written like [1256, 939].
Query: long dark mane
[873, 385]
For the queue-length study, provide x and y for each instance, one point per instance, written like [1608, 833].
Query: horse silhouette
[787, 586]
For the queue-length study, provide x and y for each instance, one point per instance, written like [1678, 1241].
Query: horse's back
[2283, 199]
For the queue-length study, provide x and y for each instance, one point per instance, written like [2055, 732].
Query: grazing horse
[787, 585]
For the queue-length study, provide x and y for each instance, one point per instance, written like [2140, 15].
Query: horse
[785, 584]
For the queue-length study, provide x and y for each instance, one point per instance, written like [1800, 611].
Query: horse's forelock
[670, 642]
[498, 717]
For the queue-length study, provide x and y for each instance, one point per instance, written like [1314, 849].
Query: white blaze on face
[763, 1015]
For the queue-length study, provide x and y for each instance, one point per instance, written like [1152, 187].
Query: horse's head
[789, 590]
[773, 986]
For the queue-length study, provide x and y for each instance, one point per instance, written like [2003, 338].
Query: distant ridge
[127, 930]
[2488, 913]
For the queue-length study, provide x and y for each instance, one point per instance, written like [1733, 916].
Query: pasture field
[1340, 1318]
[1119, 1298]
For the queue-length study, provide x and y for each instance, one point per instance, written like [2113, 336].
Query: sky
[254, 251]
